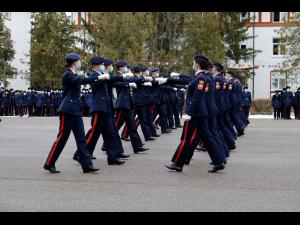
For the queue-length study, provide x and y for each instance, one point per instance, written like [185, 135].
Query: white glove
[150, 79]
[173, 74]
[161, 80]
[182, 89]
[132, 85]
[104, 77]
[175, 89]
[148, 84]
[127, 75]
[186, 117]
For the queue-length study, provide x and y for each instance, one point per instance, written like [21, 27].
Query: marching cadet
[234, 103]
[141, 101]
[277, 105]
[247, 101]
[158, 106]
[181, 100]
[124, 107]
[196, 122]
[71, 117]
[102, 121]
[297, 104]
[218, 72]
[287, 102]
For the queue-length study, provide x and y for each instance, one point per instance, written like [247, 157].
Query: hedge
[262, 106]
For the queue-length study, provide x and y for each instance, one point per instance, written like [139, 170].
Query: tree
[123, 35]
[53, 35]
[290, 39]
[234, 32]
[202, 36]
[7, 54]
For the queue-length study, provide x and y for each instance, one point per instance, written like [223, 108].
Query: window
[294, 16]
[243, 46]
[244, 15]
[279, 46]
[278, 80]
[254, 16]
[280, 16]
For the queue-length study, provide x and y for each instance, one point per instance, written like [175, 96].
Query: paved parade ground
[262, 175]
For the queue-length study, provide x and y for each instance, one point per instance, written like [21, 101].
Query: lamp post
[253, 55]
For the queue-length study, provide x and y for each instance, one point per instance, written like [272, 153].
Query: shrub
[262, 106]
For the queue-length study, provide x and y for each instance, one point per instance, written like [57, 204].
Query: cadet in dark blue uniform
[141, 101]
[247, 101]
[196, 122]
[287, 103]
[71, 117]
[40, 102]
[124, 107]
[181, 100]
[234, 103]
[218, 72]
[30, 101]
[102, 120]
[297, 104]
[277, 105]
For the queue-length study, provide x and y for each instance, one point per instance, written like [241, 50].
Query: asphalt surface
[262, 175]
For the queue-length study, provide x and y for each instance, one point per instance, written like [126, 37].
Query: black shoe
[51, 169]
[140, 149]
[150, 139]
[103, 149]
[94, 158]
[225, 162]
[156, 135]
[240, 134]
[90, 170]
[231, 148]
[115, 161]
[76, 158]
[201, 149]
[123, 156]
[187, 163]
[173, 128]
[125, 139]
[174, 167]
[217, 168]
[166, 132]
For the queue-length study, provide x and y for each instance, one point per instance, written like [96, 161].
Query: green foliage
[52, 37]
[7, 54]
[234, 32]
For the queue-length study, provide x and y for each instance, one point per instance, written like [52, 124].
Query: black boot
[115, 161]
[51, 169]
[217, 168]
[90, 170]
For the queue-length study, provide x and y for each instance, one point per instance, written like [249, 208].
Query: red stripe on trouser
[183, 142]
[193, 137]
[93, 129]
[119, 117]
[58, 139]
[126, 131]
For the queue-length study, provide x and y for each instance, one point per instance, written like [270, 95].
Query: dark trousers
[190, 137]
[229, 139]
[228, 123]
[180, 109]
[70, 123]
[103, 124]
[246, 111]
[176, 114]
[2, 111]
[170, 118]
[128, 117]
[235, 119]
[150, 118]
[30, 110]
[277, 113]
[142, 117]
[288, 112]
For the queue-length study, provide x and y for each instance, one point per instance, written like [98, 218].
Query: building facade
[19, 25]
[270, 74]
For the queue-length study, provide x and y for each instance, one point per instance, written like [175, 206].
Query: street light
[253, 55]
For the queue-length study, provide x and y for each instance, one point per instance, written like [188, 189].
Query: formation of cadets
[283, 101]
[216, 111]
